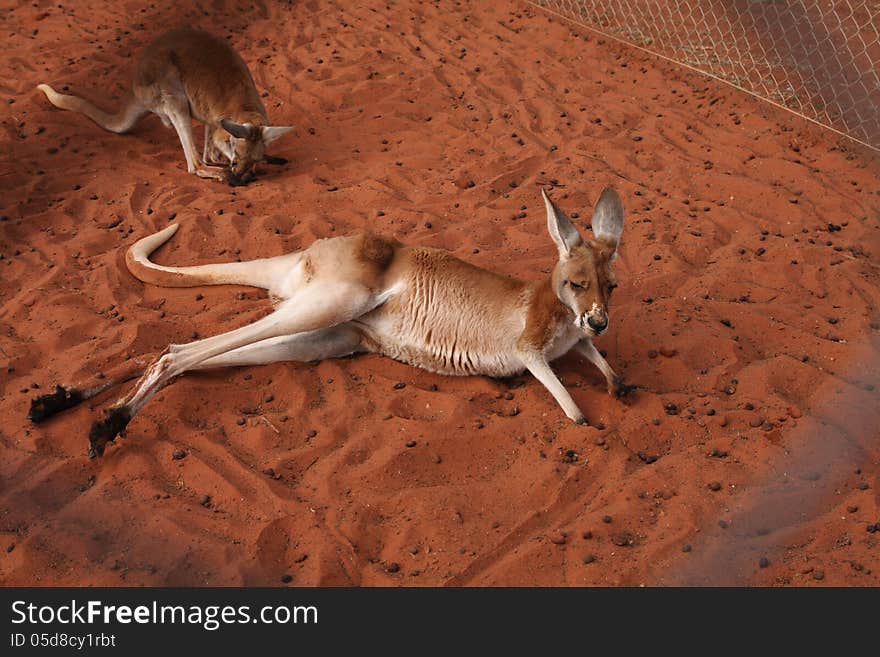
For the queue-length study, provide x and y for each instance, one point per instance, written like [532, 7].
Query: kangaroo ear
[563, 232]
[608, 218]
[237, 130]
[273, 132]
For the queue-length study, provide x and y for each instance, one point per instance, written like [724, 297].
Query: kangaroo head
[244, 144]
[582, 279]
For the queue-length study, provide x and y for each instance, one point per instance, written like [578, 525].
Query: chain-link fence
[817, 58]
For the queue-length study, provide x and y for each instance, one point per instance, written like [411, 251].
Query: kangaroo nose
[598, 325]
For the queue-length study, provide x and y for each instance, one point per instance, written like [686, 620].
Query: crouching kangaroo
[366, 293]
[188, 73]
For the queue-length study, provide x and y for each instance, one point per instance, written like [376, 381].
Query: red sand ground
[398, 107]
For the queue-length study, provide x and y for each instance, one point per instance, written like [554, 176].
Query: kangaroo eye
[576, 286]
[611, 286]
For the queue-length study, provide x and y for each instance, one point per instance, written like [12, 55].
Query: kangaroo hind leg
[62, 398]
[309, 346]
[311, 308]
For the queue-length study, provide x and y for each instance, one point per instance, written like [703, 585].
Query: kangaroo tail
[264, 273]
[122, 121]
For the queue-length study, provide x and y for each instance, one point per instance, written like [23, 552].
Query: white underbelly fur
[454, 352]
[452, 356]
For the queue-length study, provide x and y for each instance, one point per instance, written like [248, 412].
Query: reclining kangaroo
[188, 73]
[366, 293]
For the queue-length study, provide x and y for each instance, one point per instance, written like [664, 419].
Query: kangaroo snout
[593, 322]
[234, 180]
[597, 322]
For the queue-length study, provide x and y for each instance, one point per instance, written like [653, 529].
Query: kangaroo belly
[448, 317]
[454, 339]
[444, 352]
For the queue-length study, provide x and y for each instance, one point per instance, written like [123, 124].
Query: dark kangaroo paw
[620, 389]
[271, 159]
[45, 406]
[105, 431]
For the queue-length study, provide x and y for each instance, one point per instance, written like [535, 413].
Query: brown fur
[215, 78]
[377, 250]
[590, 267]
[185, 74]
[546, 313]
